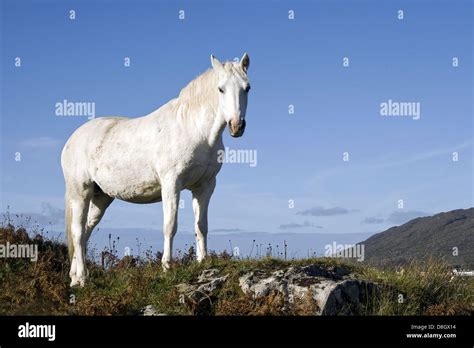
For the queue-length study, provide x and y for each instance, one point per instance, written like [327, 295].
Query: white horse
[152, 158]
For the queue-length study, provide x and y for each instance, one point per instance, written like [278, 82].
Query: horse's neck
[212, 127]
[204, 125]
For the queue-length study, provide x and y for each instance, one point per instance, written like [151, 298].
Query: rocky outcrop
[332, 288]
[201, 296]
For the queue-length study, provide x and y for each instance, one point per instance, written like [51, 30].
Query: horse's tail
[67, 220]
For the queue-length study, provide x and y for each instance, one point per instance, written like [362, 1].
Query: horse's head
[233, 87]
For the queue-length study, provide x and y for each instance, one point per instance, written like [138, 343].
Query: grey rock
[200, 296]
[150, 311]
[260, 286]
[332, 288]
[208, 275]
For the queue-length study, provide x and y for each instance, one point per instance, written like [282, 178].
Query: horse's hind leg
[99, 203]
[79, 210]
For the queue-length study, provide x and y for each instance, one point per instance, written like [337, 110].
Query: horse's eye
[221, 90]
[247, 89]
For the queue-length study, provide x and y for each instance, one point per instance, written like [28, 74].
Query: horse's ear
[245, 62]
[215, 62]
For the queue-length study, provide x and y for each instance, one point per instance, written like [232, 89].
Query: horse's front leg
[170, 196]
[201, 198]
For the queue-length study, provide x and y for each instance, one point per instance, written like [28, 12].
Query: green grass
[422, 287]
[126, 285]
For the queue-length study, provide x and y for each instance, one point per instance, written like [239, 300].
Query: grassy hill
[437, 236]
[124, 286]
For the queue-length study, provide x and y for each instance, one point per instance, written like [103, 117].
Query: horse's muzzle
[237, 130]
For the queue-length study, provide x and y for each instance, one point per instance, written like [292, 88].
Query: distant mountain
[435, 235]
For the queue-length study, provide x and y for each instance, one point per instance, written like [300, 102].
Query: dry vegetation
[124, 286]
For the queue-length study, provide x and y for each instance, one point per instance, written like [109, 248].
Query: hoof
[77, 282]
[166, 266]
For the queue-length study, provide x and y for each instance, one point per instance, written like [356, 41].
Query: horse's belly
[135, 193]
[142, 197]
[129, 189]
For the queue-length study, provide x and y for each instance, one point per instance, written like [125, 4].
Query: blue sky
[297, 62]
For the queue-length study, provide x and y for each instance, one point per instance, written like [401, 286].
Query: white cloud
[321, 211]
[40, 143]
[400, 217]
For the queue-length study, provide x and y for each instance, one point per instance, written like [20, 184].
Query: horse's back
[92, 130]
[96, 127]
